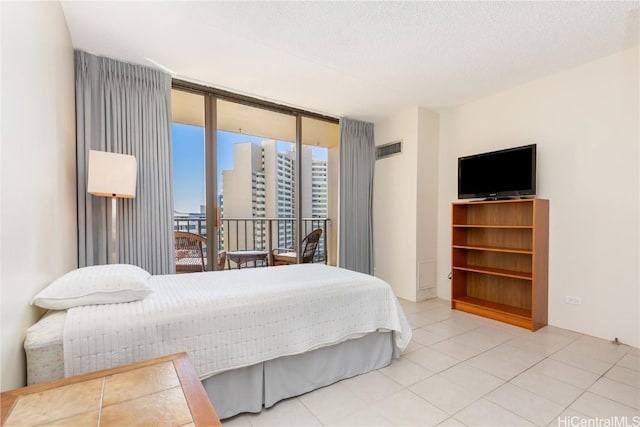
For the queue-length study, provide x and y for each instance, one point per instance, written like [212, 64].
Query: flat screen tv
[498, 174]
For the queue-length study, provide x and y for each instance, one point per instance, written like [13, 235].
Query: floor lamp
[112, 175]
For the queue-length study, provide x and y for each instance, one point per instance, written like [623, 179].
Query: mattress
[312, 309]
[231, 319]
[43, 346]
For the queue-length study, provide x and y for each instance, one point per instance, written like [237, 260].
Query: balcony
[261, 234]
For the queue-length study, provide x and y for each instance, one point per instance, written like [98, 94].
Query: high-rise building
[261, 185]
[319, 189]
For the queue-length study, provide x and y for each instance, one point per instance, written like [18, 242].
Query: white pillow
[100, 284]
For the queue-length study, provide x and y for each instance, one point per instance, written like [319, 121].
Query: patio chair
[286, 256]
[189, 253]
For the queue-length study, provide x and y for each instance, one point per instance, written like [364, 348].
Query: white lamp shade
[112, 174]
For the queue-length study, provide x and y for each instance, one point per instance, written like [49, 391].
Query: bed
[254, 336]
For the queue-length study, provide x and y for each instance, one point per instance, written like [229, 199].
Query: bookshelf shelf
[500, 260]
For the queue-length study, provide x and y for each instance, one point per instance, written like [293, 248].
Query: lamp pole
[113, 253]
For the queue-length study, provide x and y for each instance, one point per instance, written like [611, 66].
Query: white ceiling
[360, 59]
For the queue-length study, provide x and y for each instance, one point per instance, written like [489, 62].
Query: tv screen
[498, 174]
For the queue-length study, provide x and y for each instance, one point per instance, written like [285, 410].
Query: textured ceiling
[359, 59]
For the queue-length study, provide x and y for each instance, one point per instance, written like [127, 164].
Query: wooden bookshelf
[500, 252]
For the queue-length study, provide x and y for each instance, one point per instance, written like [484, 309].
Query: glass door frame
[211, 96]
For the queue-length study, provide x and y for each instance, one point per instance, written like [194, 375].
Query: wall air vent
[390, 149]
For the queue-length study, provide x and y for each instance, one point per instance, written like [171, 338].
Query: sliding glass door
[319, 195]
[189, 183]
[269, 176]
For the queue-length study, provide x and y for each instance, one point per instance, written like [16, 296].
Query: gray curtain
[125, 108]
[357, 160]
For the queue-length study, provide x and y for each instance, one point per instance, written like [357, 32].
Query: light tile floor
[462, 369]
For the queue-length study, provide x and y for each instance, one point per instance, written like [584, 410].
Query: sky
[188, 162]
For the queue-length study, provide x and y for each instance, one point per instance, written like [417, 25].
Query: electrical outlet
[573, 300]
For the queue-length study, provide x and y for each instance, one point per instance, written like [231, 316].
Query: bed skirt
[240, 390]
[251, 388]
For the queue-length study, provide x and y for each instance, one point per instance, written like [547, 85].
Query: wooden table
[162, 391]
[243, 257]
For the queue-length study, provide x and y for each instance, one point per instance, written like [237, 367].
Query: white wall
[427, 208]
[394, 205]
[405, 204]
[39, 238]
[585, 122]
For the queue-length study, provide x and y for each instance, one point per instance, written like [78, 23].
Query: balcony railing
[265, 234]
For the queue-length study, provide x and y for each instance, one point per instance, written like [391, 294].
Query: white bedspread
[231, 319]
